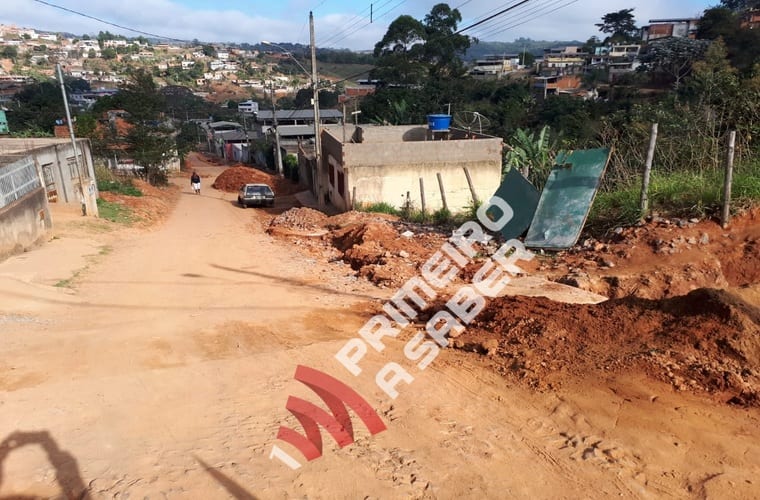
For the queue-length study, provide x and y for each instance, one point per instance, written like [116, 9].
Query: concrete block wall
[25, 223]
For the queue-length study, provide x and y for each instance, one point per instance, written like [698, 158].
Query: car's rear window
[258, 190]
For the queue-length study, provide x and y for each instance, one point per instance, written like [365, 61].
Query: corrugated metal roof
[299, 114]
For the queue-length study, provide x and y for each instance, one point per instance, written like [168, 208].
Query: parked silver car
[255, 195]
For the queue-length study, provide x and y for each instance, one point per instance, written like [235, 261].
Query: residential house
[285, 117]
[556, 84]
[248, 107]
[49, 37]
[188, 64]
[223, 56]
[750, 19]
[378, 164]
[115, 43]
[563, 60]
[216, 65]
[65, 176]
[617, 59]
[495, 66]
[663, 28]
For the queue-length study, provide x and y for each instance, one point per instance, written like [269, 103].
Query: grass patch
[378, 208]
[115, 212]
[677, 194]
[124, 187]
[69, 282]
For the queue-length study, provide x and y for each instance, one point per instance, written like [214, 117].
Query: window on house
[47, 174]
[331, 175]
[342, 184]
[71, 161]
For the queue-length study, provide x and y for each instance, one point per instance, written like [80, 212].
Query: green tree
[39, 106]
[91, 54]
[209, 51]
[9, 52]
[109, 53]
[673, 57]
[620, 25]
[399, 53]
[443, 46]
[150, 140]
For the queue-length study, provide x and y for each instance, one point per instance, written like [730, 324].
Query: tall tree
[399, 53]
[620, 25]
[443, 46]
[150, 140]
[674, 56]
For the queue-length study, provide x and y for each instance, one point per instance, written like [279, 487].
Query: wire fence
[17, 179]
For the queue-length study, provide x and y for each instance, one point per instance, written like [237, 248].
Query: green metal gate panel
[567, 198]
[522, 197]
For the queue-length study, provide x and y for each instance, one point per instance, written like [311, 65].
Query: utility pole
[73, 140]
[278, 152]
[315, 87]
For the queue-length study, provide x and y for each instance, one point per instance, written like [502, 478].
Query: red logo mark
[336, 396]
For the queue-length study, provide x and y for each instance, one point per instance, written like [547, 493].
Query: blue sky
[338, 23]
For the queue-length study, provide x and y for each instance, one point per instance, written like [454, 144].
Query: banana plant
[532, 154]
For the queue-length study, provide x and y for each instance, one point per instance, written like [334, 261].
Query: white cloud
[343, 29]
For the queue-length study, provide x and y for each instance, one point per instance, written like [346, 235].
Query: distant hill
[535, 47]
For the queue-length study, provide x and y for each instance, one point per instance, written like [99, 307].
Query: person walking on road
[195, 182]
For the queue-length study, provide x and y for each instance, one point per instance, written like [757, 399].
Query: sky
[337, 23]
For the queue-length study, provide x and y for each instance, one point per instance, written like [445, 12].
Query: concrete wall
[386, 171]
[25, 223]
[53, 158]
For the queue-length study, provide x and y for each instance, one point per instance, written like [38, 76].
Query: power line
[350, 31]
[109, 22]
[534, 14]
[521, 13]
[503, 11]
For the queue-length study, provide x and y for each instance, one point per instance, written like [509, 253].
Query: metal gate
[17, 179]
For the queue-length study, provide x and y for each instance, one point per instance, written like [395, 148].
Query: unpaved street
[163, 370]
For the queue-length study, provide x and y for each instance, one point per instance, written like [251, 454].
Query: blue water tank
[439, 123]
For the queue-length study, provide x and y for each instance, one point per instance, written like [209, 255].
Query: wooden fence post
[644, 204]
[422, 197]
[443, 192]
[725, 214]
[353, 198]
[472, 188]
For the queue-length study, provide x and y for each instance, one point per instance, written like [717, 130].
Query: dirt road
[164, 370]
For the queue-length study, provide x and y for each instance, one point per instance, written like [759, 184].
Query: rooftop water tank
[439, 123]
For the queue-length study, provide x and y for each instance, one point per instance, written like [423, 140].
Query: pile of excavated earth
[233, 177]
[684, 302]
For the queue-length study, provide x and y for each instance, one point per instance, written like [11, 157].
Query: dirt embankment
[664, 258]
[153, 207]
[675, 313]
[706, 341]
[233, 177]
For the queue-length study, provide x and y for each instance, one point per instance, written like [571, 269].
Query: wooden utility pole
[77, 156]
[725, 214]
[315, 88]
[644, 203]
[278, 151]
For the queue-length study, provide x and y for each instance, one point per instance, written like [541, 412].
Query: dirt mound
[378, 247]
[379, 253]
[233, 177]
[303, 219]
[705, 341]
[664, 258]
